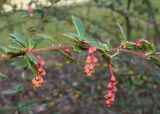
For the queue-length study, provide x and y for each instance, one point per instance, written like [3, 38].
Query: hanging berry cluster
[89, 69]
[37, 81]
[91, 61]
[111, 88]
[30, 11]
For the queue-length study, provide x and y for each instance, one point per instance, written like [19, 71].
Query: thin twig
[55, 48]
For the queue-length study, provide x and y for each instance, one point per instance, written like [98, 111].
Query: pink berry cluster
[39, 65]
[30, 11]
[91, 61]
[37, 81]
[111, 89]
[67, 51]
[138, 43]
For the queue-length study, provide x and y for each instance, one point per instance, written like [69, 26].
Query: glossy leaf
[79, 27]
[72, 36]
[96, 44]
[15, 47]
[4, 49]
[31, 43]
[68, 57]
[124, 37]
[19, 39]
[31, 65]
[19, 64]
[32, 58]
[155, 60]
[26, 107]
[12, 91]
[2, 76]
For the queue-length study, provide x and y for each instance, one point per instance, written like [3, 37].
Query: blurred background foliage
[67, 90]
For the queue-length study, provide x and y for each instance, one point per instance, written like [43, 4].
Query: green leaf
[4, 49]
[24, 15]
[11, 107]
[32, 29]
[3, 75]
[12, 91]
[15, 47]
[72, 36]
[19, 64]
[68, 57]
[96, 44]
[79, 27]
[82, 36]
[32, 58]
[150, 47]
[115, 54]
[31, 43]
[130, 45]
[124, 37]
[26, 107]
[31, 65]
[154, 48]
[155, 60]
[76, 49]
[19, 39]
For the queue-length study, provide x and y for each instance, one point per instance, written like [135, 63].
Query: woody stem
[55, 48]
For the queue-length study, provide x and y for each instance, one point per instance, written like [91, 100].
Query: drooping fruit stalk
[111, 88]
[37, 81]
[91, 61]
